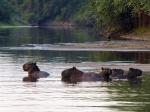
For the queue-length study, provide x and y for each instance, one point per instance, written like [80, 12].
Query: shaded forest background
[104, 15]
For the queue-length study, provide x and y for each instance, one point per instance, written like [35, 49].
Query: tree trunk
[143, 19]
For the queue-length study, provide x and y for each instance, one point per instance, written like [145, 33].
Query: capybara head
[70, 74]
[118, 73]
[106, 72]
[30, 67]
[133, 73]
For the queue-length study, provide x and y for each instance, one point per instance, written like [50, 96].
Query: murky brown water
[52, 95]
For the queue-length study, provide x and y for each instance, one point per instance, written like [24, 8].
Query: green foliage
[84, 15]
[139, 5]
[38, 11]
[113, 15]
[6, 11]
[110, 15]
[141, 30]
[107, 13]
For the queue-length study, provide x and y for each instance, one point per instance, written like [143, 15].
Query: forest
[103, 15]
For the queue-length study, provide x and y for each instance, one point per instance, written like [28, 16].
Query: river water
[52, 95]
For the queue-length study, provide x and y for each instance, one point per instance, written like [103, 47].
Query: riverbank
[116, 45]
[137, 36]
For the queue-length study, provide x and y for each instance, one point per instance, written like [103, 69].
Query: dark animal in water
[133, 74]
[110, 74]
[34, 72]
[118, 74]
[106, 72]
[73, 75]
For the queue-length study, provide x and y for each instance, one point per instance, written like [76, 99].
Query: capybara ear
[102, 68]
[34, 63]
[74, 68]
[130, 69]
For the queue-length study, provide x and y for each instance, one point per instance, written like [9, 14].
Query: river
[52, 95]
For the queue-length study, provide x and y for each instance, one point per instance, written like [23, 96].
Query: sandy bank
[122, 46]
[133, 36]
[128, 44]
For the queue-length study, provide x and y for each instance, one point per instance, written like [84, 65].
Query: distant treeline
[111, 15]
[35, 12]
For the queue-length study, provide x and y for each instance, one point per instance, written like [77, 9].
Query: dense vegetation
[111, 15]
[38, 11]
[124, 15]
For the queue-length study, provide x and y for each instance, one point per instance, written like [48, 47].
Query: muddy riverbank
[145, 36]
[128, 44]
[116, 45]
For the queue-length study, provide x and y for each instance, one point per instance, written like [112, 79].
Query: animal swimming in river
[34, 72]
[118, 74]
[133, 74]
[74, 75]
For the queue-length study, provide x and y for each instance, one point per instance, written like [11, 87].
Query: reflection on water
[16, 37]
[138, 97]
[78, 56]
[52, 95]
[21, 36]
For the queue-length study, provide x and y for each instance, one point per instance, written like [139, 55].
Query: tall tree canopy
[7, 10]
[110, 15]
[120, 14]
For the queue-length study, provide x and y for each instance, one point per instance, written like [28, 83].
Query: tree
[113, 15]
[6, 11]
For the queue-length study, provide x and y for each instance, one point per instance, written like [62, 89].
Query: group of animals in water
[74, 75]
